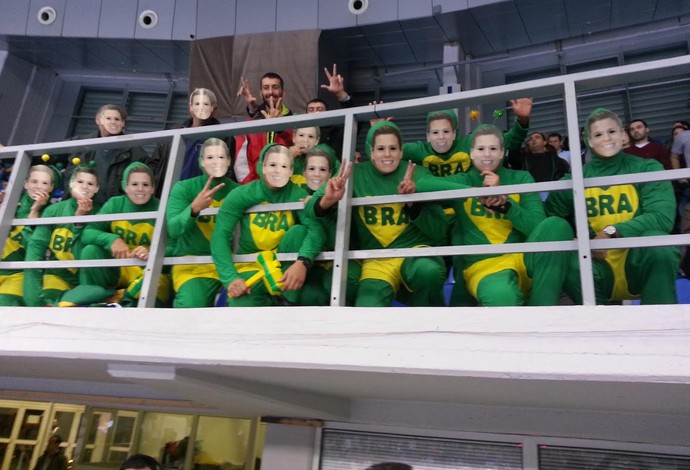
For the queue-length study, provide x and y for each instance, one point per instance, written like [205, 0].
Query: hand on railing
[140, 252]
[119, 249]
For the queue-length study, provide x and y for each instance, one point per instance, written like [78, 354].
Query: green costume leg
[651, 272]
[95, 284]
[291, 243]
[425, 278]
[197, 292]
[460, 297]
[354, 272]
[499, 289]
[9, 300]
[548, 269]
[374, 293]
[259, 297]
[315, 290]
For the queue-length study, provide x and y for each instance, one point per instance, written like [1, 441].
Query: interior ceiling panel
[483, 30]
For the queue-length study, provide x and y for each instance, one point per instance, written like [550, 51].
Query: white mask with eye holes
[215, 161]
[277, 169]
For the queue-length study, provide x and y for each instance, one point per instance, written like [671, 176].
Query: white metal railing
[567, 86]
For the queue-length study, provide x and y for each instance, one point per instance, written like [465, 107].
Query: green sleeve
[179, 212]
[415, 152]
[433, 223]
[658, 206]
[316, 234]
[98, 233]
[529, 212]
[35, 251]
[229, 215]
[513, 139]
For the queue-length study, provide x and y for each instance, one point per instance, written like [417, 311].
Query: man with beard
[248, 147]
[644, 148]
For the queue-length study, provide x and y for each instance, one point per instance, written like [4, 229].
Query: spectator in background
[202, 110]
[645, 148]
[332, 135]
[53, 458]
[541, 161]
[111, 162]
[140, 462]
[248, 147]
[556, 141]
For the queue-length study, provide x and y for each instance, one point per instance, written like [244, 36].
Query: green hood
[332, 158]
[450, 113]
[128, 170]
[260, 163]
[370, 135]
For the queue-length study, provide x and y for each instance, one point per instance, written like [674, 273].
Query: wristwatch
[611, 231]
[306, 261]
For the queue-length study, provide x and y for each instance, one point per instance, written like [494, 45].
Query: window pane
[7, 417]
[563, 458]
[124, 431]
[62, 424]
[31, 424]
[21, 457]
[343, 450]
[164, 435]
[221, 442]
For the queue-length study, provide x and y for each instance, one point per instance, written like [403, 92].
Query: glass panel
[3, 451]
[31, 424]
[7, 417]
[563, 458]
[62, 424]
[97, 435]
[221, 443]
[165, 436]
[21, 457]
[124, 431]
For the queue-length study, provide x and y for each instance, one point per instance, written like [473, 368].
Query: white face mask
[316, 172]
[277, 170]
[487, 153]
[441, 135]
[201, 107]
[110, 122]
[139, 188]
[306, 138]
[605, 137]
[83, 186]
[215, 162]
[386, 153]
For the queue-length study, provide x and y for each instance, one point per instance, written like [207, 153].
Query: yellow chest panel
[268, 228]
[207, 222]
[612, 205]
[494, 226]
[385, 222]
[14, 242]
[61, 241]
[459, 162]
[134, 234]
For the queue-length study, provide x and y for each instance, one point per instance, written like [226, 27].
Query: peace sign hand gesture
[205, 197]
[273, 108]
[407, 185]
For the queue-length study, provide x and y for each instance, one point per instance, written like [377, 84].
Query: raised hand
[522, 108]
[490, 178]
[84, 206]
[407, 185]
[205, 197]
[335, 188]
[273, 108]
[245, 92]
[336, 83]
[41, 199]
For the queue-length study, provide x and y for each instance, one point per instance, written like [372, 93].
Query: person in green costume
[628, 210]
[120, 239]
[447, 153]
[304, 138]
[279, 231]
[393, 225]
[43, 287]
[320, 164]
[38, 186]
[505, 279]
[196, 285]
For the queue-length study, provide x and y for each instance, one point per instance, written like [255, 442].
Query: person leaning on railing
[627, 210]
[40, 183]
[62, 242]
[120, 239]
[419, 280]
[283, 231]
[189, 232]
